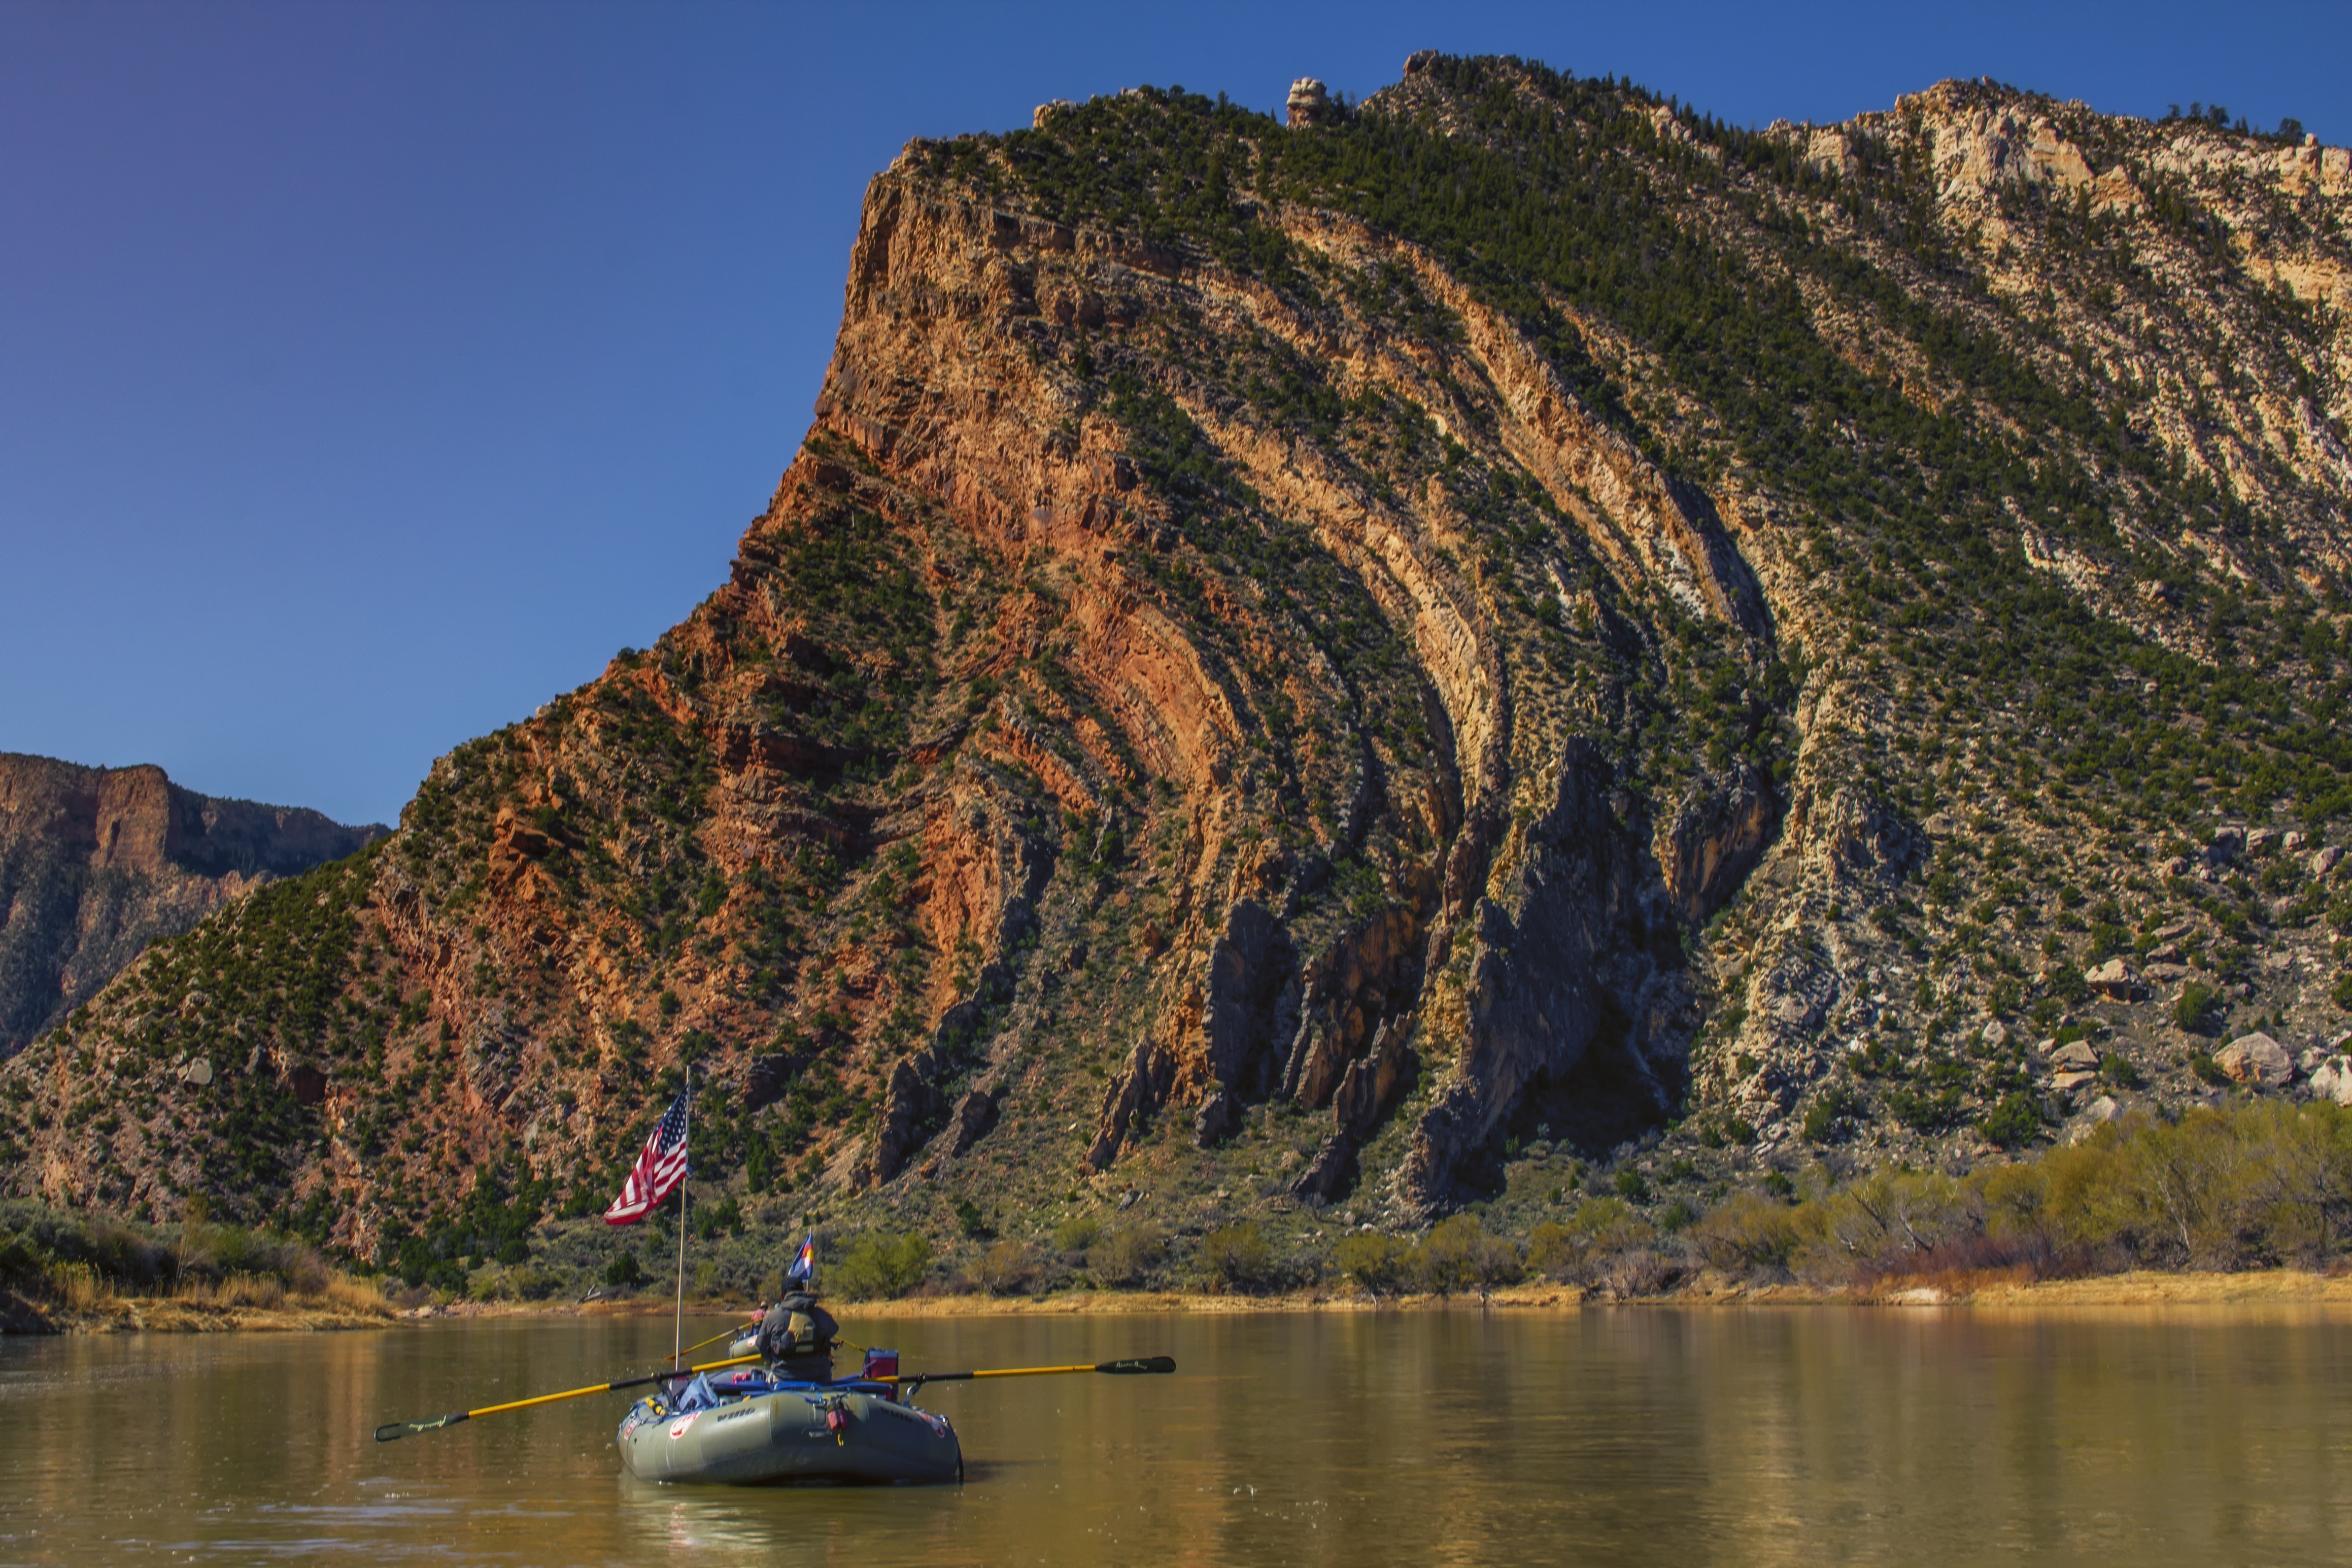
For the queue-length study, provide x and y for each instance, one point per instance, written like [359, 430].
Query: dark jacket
[797, 1335]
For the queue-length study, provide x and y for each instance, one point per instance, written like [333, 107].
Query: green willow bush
[878, 1266]
[1238, 1258]
[1459, 1255]
[40, 1245]
[1377, 1264]
[1128, 1256]
[2264, 1184]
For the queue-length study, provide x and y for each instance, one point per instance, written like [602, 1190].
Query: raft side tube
[796, 1434]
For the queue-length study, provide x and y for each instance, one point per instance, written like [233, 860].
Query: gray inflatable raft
[826, 1432]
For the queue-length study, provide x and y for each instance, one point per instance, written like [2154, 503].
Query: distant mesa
[98, 863]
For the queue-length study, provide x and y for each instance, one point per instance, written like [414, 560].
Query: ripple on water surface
[1619, 1436]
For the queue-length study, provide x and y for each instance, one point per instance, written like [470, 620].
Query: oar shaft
[608, 1387]
[1146, 1364]
[551, 1398]
[385, 1433]
[971, 1376]
[1030, 1371]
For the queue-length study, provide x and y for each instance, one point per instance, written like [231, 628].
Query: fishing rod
[392, 1430]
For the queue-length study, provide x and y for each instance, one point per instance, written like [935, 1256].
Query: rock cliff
[1363, 663]
[96, 863]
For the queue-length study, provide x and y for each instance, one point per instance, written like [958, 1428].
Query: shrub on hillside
[1075, 1235]
[35, 1237]
[1642, 1272]
[1459, 1255]
[1580, 1250]
[1377, 1264]
[2266, 1183]
[1877, 1225]
[2262, 1183]
[2192, 1014]
[65, 1256]
[879, 1266]
[1831, 1116]
[530, 1283]
[2014, 1121]
[1749, 1232]
[1237, 1258]
[218, 1252]
[1008, 1269]
[1127, 1257]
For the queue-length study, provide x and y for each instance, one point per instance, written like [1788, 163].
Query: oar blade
[1138, 1365]
[391, 1431]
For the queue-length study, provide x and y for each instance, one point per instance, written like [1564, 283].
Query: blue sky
[370, 372]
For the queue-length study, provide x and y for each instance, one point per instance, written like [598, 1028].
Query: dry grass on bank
[2001, 1289]
[2146, 1288]
[350, 1304]
[67, 1272]
[77, 1299]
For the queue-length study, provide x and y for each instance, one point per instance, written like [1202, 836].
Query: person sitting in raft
[797, 1335]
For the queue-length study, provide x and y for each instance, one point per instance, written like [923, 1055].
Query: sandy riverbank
[2276, 1287]
[2259, 1289]
[136, 1315]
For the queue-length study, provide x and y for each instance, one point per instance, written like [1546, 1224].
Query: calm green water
[1609, 1437]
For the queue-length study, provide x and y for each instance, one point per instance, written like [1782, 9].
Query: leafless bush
[1008, 1269]
[1128, 1257]
[1642, 1272]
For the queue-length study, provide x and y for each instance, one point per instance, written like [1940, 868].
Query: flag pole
[677, 1323]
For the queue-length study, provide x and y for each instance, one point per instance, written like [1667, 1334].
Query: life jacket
[795, 1329]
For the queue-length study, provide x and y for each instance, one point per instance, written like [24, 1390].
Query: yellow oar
[394, 1429]
[1130, 1366]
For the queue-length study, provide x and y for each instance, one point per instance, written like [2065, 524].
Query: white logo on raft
[677, 1428]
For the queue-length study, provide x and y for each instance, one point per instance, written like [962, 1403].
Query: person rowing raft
[794, 1334]
[796, 1337]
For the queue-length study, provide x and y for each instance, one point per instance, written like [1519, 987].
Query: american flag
[660, 1166]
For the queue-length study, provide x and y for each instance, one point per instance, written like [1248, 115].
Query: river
[1628, 1436]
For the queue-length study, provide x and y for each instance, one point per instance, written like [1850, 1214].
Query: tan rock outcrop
[2256, 1060]
[1309, 102]
[2116, 979]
